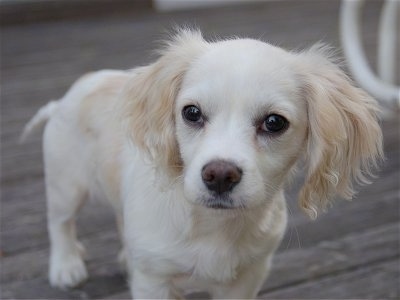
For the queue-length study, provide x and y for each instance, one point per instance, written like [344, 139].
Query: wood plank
[376, 281]
[373, 207]
[266, 20]
[291, 268]
[39, 288]
[297, 266]
[23, 11]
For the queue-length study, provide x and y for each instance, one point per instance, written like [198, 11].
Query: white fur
[121, 136]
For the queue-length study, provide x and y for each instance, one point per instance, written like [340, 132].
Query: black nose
[221, 176]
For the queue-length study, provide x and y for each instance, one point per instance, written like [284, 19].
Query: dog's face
[241, 124]
[233, 117]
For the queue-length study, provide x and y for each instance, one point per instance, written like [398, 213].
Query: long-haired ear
[344, 137]
[150, 95]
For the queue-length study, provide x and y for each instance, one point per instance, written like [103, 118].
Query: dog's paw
[67, 272]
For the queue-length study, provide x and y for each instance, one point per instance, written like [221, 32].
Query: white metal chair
[383, 85]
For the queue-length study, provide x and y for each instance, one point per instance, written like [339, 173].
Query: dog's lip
[219, 206]
[220, 203]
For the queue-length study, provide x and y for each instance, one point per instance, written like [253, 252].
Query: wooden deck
[350, 252]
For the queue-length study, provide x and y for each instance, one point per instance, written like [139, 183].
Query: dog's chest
[214, 260]
[205, 261]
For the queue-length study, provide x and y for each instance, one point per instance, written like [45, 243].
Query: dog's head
[232, 119]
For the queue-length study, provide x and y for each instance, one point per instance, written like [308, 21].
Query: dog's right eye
[193, 115]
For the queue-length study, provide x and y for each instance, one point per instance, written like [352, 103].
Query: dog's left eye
[274, 124]
[192, 114]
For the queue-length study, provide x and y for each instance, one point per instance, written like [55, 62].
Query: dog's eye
[192, 114]
[274, 124]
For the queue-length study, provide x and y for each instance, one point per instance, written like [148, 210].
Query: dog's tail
[39, 120]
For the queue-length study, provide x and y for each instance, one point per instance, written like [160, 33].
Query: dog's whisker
[292, 228]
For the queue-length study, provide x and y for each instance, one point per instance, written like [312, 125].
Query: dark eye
[192, 114]
[274, 124]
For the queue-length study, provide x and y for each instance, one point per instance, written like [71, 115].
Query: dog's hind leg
[67, 268]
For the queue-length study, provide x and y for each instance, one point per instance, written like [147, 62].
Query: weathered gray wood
[39, 288]
[101, 250]
[16, 12]
[326, 258]
[93, 218]
[376, 281]
[297, 266]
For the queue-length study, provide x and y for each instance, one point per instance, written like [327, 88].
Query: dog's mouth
[219, 206]
[220, 203]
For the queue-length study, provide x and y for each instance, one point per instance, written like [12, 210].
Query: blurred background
[350, 252]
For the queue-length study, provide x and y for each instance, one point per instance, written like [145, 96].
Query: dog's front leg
[146, 286]
[246, 285]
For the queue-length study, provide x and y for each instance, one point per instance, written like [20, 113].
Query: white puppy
[193, 152]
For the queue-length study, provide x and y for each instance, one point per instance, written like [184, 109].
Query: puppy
[193, 152]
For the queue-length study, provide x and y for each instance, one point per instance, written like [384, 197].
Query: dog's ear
[344, 137]
[150, 95]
